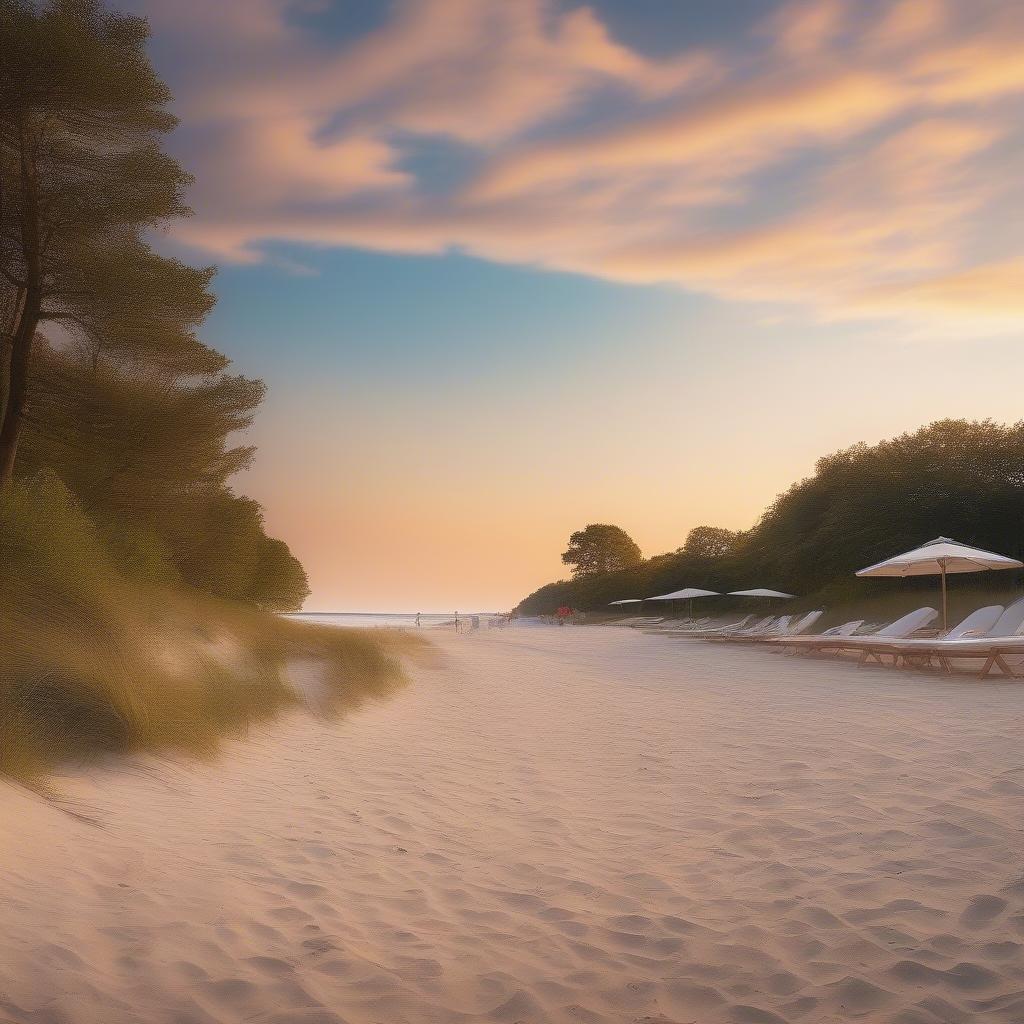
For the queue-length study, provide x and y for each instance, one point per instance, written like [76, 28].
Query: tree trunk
[6, 347]
[28, 322]
[14, 413]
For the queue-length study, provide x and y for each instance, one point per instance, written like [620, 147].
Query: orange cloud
[752, 123]
[841, 158]
[802, 28]
[992, 291]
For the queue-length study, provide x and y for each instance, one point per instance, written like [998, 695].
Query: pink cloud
[754, 122]
[887, 131]
[800, 28]
[993, 291]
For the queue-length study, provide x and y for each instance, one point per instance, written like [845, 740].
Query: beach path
[554, 825]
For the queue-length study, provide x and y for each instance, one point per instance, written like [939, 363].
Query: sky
[509, 267]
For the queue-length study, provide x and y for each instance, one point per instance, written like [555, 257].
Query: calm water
[364, 620]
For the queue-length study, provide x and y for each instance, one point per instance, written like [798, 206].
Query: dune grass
[95, 661]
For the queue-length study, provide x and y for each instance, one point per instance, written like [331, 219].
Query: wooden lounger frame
[994, 657]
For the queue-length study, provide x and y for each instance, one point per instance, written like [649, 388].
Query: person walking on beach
[457, 627]
[417, 620]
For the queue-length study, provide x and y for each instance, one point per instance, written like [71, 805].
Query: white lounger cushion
[846, 629]
[1011, 622]
[906, 625]
[978, 623]
[972, 628]
[805, 623]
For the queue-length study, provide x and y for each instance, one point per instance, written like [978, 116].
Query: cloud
[847, 157]
[753, 123]
[807, 28]
[992, 290]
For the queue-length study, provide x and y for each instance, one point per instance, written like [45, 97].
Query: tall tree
[953, 477]
[601, 548]
[146, 449]
[956, 478]
[710, 542]
[82, 178]
[119, 398]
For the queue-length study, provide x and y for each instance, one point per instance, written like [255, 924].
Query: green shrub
[96, 661]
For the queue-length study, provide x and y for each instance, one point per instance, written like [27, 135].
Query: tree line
[105, 383]
[954, 478]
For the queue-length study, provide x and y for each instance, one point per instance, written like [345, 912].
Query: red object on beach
[564, 612]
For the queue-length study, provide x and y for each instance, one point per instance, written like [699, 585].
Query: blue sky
[510, 268]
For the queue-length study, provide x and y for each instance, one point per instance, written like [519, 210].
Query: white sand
[565, 825]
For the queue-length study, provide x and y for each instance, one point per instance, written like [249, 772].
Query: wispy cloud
[848, 157]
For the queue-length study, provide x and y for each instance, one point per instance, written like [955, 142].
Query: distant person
[457, 624]
[417, 620]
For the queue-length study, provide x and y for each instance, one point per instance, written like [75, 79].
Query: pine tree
[82, 178]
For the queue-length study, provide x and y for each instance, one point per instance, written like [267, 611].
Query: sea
[371, 620]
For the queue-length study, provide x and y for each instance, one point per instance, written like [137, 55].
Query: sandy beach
[564, 825]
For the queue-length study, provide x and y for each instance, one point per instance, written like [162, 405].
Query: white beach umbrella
[759, 592]
[940, 557]
[683, 595]
[686, 594]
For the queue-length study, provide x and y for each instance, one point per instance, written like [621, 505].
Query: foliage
[121, 399]
[600, 548]
[135, 581]
[953, 477]
[92, 663]
[82, 178]
[228, 554]
[710, 542]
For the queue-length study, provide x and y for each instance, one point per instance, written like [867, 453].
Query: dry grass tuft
[93, 662]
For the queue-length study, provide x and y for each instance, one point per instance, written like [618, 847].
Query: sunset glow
[508, 268]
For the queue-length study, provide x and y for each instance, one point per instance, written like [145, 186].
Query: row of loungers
[993, 636]
[990, 635]
[771, 626]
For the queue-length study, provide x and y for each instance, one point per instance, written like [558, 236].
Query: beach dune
[554, 825]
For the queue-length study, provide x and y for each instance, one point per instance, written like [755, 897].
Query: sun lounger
[726, 627]
[977, 624]
[809, 643]
[770, 626]
[993, 652]
[902, 627]
[1011, 622]
[805, 623]
[701, 633]
[732, 628]
[776, 627]
[987, 629]
[846, 629]
[758, 627]
[785, 626]
[898, 630]
[876, 645]
[681, 625]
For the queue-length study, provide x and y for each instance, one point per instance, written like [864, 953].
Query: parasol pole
[945, 615]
